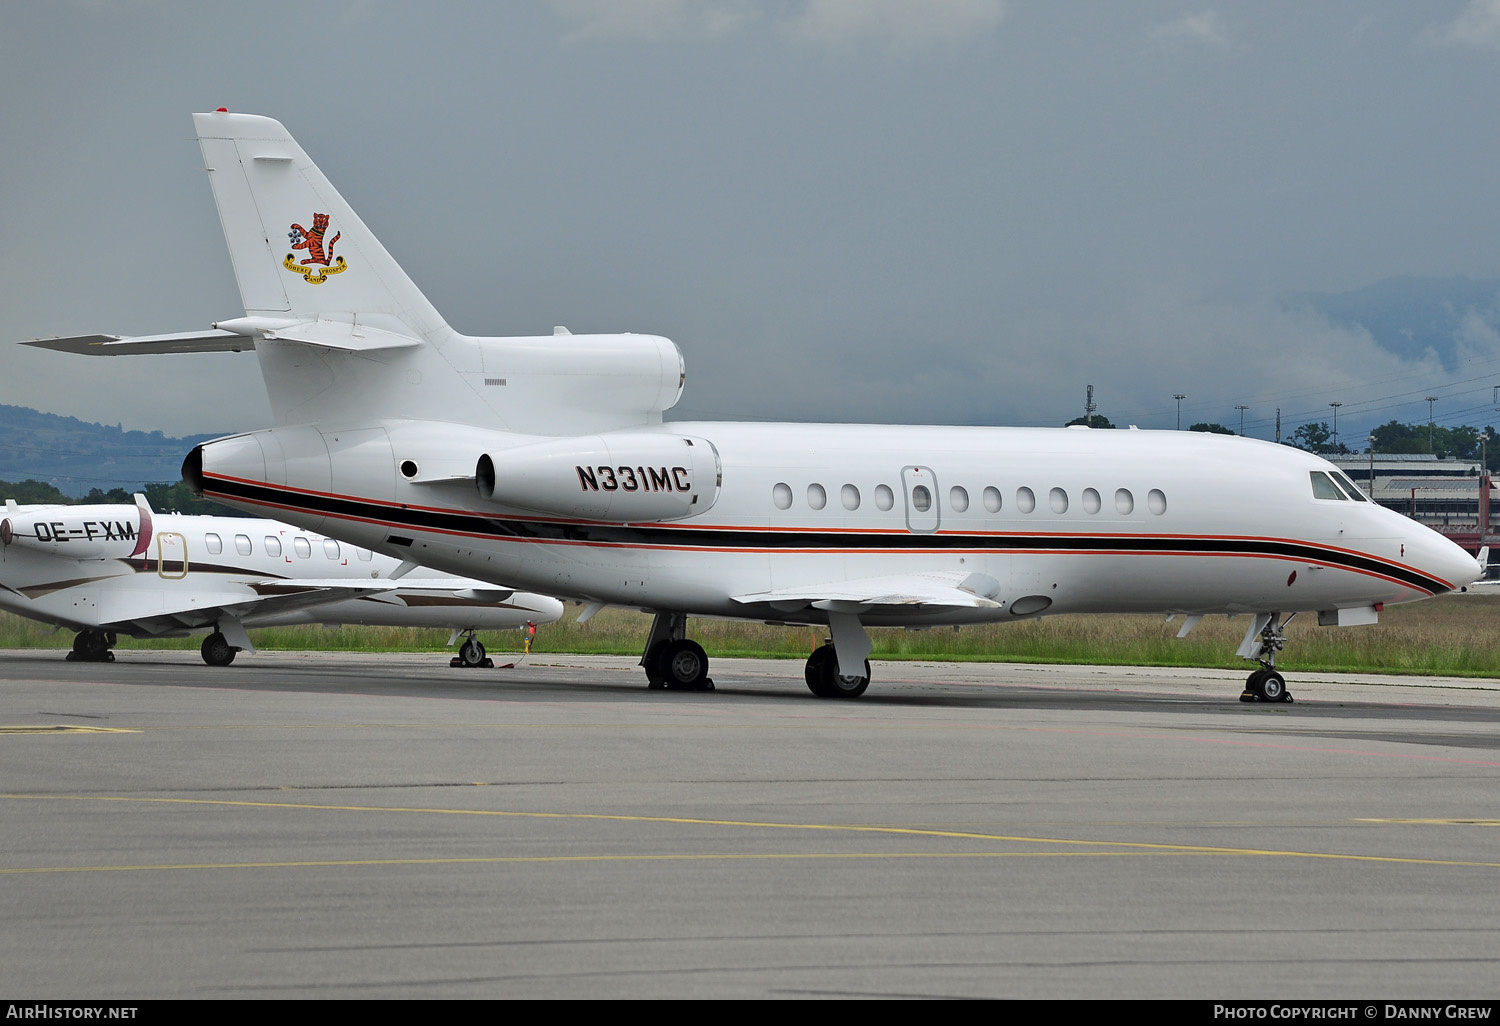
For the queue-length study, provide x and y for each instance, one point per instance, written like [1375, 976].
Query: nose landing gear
[471, 653]
[1265, 684]
[92, 646]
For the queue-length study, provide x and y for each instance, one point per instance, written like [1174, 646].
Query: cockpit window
[1350, 488]
[1323, 488]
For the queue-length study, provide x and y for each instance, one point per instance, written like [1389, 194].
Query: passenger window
[1156, 501]
[1091, 501]
[1025, 500]
[242, 544]
[992, 499]
[302, 546]
[817, 498]
[849, 496]
[1058, 499]
[363, 554]
[1124, 501]
[958, 499]
[884, 497]
[330, 548]
[213, 543]
[1323, 488]
[921, 499]
[782, 495]
[273, 545]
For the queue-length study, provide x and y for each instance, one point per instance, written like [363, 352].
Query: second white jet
[106, 570]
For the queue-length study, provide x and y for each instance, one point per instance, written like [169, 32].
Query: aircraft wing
[152, 613]
[940, 589]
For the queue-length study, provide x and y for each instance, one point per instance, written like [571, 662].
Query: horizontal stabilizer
[120, 345]
[341, 335]
[936, 590]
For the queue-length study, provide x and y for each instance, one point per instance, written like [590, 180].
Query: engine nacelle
[621, 477]
[80, 532]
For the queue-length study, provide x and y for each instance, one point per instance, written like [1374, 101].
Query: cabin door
[920, 486]
[171, 555]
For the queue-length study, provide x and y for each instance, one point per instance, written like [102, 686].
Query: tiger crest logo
[320, 262]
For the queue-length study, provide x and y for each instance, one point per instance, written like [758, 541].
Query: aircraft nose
[1446, 561]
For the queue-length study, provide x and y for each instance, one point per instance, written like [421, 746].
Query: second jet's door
[171, 555]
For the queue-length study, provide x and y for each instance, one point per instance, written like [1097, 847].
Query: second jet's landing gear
[671, 660]
[217, 651]
[92, 646]
[824, 679]
[1265, 684]
[471, 654]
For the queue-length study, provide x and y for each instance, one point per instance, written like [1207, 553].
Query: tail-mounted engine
[624, 477]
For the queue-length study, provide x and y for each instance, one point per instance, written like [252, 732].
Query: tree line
[1393, 438]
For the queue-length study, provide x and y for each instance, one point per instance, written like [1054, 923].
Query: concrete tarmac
[332, 826]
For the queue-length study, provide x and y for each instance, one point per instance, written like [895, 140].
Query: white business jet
[544, 461]
[114, 569]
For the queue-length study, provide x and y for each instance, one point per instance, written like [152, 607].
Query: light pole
[1179, 396]
[1372, 467]
[1335, 424]
[1430, 400]
[1242, 408]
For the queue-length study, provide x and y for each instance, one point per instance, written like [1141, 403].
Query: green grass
[1450, 636]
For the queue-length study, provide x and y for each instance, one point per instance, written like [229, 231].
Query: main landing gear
[93, 646]
[671, 660]
[1265, 684]
[217, 651]
[824, 679]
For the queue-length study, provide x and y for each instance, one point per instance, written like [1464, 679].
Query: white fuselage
[1123, 521]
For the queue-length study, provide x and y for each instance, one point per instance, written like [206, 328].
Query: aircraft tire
[1273, 687]
[91, 646]
[217, 651]
[684, 665]
[840, 686]
[1252, 691]
[825, 681]
[814, 672]
[471, 653]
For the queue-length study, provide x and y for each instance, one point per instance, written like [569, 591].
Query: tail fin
[300, 252]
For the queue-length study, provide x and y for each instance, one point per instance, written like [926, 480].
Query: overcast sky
[950, 211]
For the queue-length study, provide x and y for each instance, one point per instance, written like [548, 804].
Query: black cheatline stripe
[689, 537]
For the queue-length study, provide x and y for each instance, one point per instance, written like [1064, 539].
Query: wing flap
[939, 589]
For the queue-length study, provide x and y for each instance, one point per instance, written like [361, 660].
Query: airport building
[1453, 497]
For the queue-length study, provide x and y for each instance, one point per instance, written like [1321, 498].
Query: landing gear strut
[1265, 684]
[92, 646]
[673, 661]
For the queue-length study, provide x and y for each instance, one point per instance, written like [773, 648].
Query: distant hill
[1410, 315]
[76, 456]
